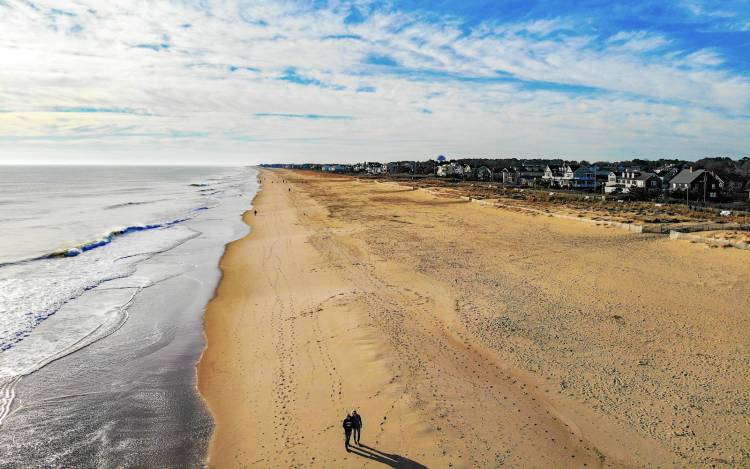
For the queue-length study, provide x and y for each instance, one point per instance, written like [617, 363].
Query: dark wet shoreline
[127, 400]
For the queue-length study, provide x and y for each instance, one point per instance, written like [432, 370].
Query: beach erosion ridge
[468, 336]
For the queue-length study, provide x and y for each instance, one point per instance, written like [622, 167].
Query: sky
[246, 82]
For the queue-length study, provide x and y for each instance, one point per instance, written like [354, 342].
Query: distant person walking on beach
[348, 425]
[357, 425]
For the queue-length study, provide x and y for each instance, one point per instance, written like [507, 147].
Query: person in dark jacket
[356, 425]
[348, 426]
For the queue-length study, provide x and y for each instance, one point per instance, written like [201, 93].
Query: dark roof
[663, 171]
[686, 176]
[646, 176]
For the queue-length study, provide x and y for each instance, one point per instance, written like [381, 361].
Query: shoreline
[198, 364]
[430, 338]
[230, 384]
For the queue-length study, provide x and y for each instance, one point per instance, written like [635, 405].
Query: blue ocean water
[74, 242]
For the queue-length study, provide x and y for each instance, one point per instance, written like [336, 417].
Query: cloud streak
[302, 116]
[280, 80]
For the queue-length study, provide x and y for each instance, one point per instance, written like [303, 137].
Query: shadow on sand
[392, 460]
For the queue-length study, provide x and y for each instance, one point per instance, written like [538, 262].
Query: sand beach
[469, 336]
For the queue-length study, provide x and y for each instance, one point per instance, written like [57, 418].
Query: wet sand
[469, 336]
[129, 399]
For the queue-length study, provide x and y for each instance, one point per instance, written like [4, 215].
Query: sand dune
[469, 336]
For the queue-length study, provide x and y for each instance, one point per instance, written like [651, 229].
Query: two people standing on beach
[352, 423]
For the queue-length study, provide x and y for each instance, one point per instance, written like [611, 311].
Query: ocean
[104, 274]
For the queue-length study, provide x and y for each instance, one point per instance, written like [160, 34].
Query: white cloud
[195, 75]
[703, 58]
[637, 41]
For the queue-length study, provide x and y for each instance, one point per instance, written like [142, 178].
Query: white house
[571, 176]
[375, 168]
[452, 169]
[630, 179]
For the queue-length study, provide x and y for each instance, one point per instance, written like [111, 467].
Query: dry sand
[727, 235]
[470, 336]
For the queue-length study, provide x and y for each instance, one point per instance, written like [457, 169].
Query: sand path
[334, 302]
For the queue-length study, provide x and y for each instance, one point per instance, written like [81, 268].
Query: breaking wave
[107, 239]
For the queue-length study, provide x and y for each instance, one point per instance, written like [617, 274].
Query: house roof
[646, 176]
[666, 171]
[686, 176]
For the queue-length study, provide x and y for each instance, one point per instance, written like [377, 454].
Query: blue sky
[240, 82]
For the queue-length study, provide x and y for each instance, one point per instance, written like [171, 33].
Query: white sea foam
[52, 306]
[31, 292]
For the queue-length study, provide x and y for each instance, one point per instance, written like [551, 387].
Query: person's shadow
[392, 460]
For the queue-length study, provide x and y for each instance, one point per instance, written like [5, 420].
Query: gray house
[699, 181]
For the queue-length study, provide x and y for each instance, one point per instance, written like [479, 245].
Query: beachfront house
[508, 176]
[665, 174]
[529, 175]
[571, 176]
[335, 168]
[734, 185]
[704, 184]
[559, 176]
[400, 167]
[629, 179]
[453, 169]
[522, 175]
[375, 169]
[552, 174]
[483, 173]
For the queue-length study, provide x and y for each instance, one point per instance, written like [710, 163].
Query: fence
[711, 241]
[712, 227]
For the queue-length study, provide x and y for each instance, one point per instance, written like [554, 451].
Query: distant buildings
[335, 168]
[625, 181]
[715, 179]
